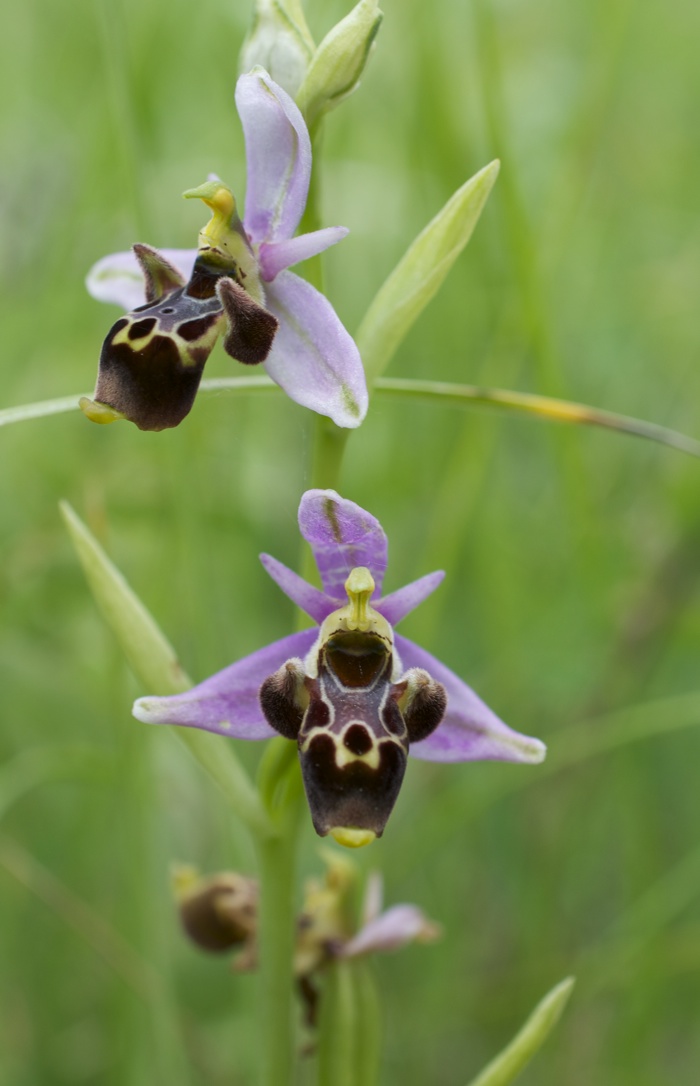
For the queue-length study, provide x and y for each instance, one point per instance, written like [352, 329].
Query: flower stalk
[279, 782]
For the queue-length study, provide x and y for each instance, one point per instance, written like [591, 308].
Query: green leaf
[155, 664]
[420, 273]
[515, 1057]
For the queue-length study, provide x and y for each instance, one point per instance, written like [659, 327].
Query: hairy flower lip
[312, 357]
[343, 536]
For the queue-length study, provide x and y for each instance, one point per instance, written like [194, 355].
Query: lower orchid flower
[237, 284]
[355, 697]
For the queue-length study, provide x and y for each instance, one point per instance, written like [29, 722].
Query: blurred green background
[572, 595]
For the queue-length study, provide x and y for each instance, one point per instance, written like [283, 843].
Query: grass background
[572, 595]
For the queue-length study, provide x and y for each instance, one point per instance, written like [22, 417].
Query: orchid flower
[235, 282]
[356, 697]
[327, 928]
[220, 912]
[384, 930]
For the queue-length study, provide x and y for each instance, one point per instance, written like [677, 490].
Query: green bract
[420, 272]
[279, 41]
[339, 61]
[506, 1067]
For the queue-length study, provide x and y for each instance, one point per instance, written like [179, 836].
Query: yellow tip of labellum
[351, 838]
[99, 412]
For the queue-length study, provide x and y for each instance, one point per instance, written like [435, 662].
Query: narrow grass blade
[527, 403]
[543, 407]
[39, 410]
[65, 404]
[515, 1057]
[154, 662]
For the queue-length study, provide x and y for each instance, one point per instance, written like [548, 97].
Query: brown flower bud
[219, 912]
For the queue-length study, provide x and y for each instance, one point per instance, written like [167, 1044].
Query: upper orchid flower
[355, 696]
[235, 282]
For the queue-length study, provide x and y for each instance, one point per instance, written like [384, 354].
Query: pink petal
[228, 703]
[398, 604]
[316, 603]
[342, 535]
[118, 278]
[313, 358]
[274, 257]
[470, 731]
[393, 929]
[278, 153]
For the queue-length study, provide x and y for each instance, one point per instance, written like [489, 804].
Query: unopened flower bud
[279, 41]
[339, 61]
[326, 919]
[219, 912]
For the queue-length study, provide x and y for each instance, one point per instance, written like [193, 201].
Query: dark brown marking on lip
[204, 278]
[153, 387]
[196, 328]
[358, 740]
[356, 795]
[392, 719]
[356, 659]
[142, 328]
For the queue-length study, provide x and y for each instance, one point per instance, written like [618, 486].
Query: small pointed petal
[393, 929]
[311, 600]
[313, 358]
[278, 153]
[118, 278]
[398, 604]
[342, 536]
[160, 276]
[470, 731]
[228, 703]
[251, 329]
[275, 256]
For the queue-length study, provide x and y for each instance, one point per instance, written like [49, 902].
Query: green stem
[328, 451]
[349, 1026]
[279, 780]
[329, 443]
[276, 868]
[338, 1027]
[311, 219]
[330, 440]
